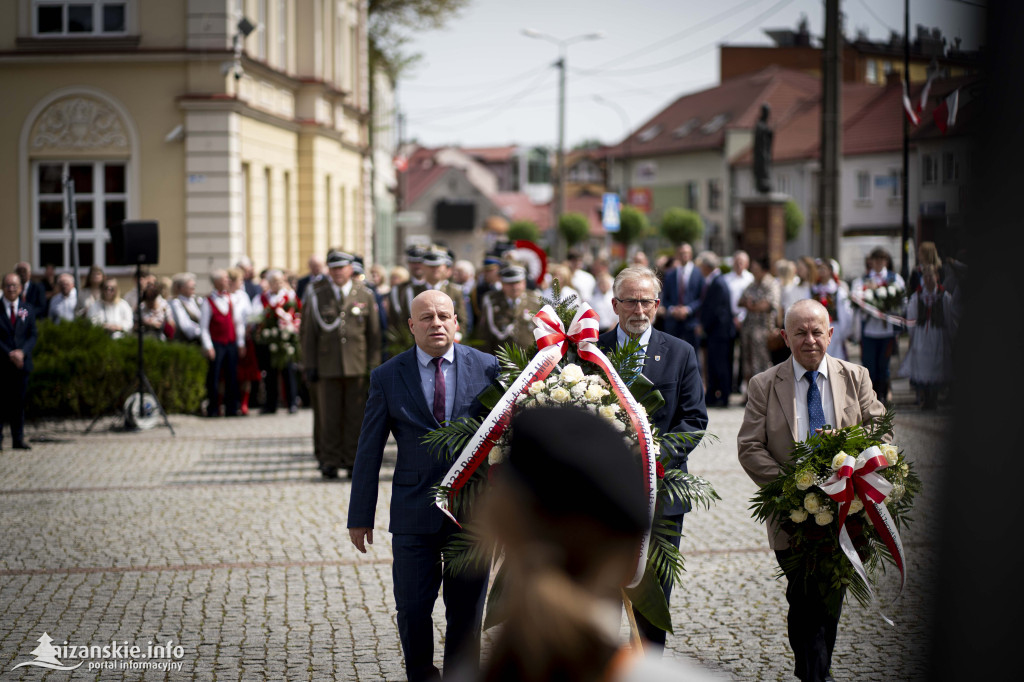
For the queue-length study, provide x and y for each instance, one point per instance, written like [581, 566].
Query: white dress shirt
[63, 307]
[824, 388]
[222, 303]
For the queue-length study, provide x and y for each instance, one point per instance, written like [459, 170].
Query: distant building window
[863, 185]
[871, 74]
[586, 171]
[693, 195]
[282, 35]
[895, 184]
[649, 134]
[101, 200]
[886, 67]
[950, 168]
[929, 169]
[782, 183]
[79, 18]
[714, 124]
[686, 128]
[714, 194]
[538, 170]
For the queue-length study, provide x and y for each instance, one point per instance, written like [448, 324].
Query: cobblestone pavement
[225, 541]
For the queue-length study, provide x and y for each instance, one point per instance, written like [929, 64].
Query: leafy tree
[523, 229]
[391, 21]
[574, 227]
[633, 226]
[680, 225]
[794, 220]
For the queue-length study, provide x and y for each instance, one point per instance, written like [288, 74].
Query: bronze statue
[763, 135]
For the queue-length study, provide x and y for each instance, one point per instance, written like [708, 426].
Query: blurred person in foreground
[801, 396]
[413, 393]
[569, 551]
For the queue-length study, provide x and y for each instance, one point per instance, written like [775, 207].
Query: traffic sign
[610, 212]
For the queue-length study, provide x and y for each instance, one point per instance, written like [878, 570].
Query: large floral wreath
[568, 369]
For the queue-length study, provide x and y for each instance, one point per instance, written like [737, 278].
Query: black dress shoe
[22, 446]
[329, 473]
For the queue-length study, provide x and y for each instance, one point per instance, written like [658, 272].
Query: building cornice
[221, 102]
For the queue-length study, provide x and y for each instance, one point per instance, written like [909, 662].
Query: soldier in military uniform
[508, 313]
[436, 267]
[341, 345]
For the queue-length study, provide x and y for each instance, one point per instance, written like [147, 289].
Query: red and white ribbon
[860, 478]
[551, 347]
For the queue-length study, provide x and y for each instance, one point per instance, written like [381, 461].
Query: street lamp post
[559, 203]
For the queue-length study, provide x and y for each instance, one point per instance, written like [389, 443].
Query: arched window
[84, 137]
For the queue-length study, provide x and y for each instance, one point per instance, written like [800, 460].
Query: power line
[456, 109]
[475, 86]
[685, 32]
[504, 104]
[693, 53]
[877, 18]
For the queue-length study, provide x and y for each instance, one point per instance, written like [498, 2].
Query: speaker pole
[141, 378]
[72, 220]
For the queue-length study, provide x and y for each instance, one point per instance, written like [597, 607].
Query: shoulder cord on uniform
[316, 315]
[501, 335]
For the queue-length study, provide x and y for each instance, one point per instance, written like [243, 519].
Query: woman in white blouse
[111, 311]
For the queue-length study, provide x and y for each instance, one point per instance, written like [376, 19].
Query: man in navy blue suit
[684, 286]
[671, 365]
[717, 330]
[17, 338]
[410, 395]
[32, 294]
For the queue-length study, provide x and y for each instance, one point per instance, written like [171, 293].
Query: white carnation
[571, 374]
[579, 389]
[619, 426]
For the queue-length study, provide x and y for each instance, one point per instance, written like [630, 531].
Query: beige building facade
[239, 125]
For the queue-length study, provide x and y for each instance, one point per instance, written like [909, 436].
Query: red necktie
[438, 390]
[14, 316]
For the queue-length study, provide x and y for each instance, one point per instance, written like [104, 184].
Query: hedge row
[81, 372]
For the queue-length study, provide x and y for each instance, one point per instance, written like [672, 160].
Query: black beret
[575, 463]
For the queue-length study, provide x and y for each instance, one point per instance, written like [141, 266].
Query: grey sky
[482, 82]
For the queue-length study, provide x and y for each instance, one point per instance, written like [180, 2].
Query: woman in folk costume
[249, 366]
[832, 293]
[929, 361]
[280, 298]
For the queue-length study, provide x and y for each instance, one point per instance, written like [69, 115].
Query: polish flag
[924, 93]
[945, 113]
[401, 163]
[908, 107]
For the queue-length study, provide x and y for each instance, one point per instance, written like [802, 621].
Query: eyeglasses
[109, 288]
[644, 303]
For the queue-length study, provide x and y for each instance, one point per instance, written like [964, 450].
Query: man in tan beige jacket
[808, 392]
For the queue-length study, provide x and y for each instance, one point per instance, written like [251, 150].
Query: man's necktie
[14, 316]
[438, 391]
[815, 412]
[682, 285]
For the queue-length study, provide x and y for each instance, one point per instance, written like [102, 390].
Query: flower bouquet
[842, 499]
[887, 298]
[568, 369]
[278, 330]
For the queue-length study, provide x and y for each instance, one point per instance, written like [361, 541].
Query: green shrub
[680, 225]
[794, 219]
[79, 371]
[573, 227]
[633, 226]
[523, 229]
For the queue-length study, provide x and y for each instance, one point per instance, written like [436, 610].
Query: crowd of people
[380, 353]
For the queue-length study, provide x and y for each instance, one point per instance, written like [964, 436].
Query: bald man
[412, 394]
[806, 393]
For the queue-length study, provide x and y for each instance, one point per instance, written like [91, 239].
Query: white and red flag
[945, 113]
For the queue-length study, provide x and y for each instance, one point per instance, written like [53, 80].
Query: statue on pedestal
[763, 135]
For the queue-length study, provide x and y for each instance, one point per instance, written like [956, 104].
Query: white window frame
[100, 234]
[864, 186]
[929, 163]
[97, 18]
[950, 161]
